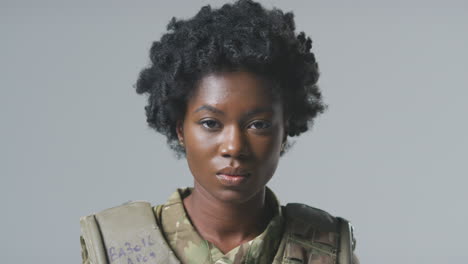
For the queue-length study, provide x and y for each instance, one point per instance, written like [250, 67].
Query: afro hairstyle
[242, 36]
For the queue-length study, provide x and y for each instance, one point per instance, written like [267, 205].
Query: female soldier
[227, 87]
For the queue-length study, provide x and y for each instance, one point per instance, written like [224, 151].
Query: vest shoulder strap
[125, 234]
[314, 236]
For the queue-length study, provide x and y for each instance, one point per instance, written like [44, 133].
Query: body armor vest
[130, 234]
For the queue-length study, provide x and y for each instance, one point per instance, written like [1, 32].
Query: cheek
[267, 147]
[199, 145]
[264, 149]
[197, 154]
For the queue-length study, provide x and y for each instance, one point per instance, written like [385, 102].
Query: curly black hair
[239, 36]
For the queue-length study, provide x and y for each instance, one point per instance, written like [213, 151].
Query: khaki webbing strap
[125, 234]
[345, 251]
[96, 254]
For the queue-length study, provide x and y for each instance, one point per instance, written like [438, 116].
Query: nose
[233, 143]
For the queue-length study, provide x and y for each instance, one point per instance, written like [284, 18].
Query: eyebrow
[209, 108]
[246, 115]
[258, 111]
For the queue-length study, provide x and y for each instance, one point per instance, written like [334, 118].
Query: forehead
[233, 88]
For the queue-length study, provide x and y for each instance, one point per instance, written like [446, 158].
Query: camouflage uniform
[296, 234]
[191, 248]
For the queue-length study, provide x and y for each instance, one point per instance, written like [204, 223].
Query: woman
[227, 87]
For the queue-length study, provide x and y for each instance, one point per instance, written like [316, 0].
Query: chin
[235, 196]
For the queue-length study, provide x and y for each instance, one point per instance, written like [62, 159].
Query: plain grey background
[389, 154]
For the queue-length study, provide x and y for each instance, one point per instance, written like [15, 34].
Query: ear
[180, 131]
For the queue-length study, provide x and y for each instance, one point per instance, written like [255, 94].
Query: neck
[225, 224]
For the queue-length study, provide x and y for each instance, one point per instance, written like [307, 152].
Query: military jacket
[191, 248]
[296, 234]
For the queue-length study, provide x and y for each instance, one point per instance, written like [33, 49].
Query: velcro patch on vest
[306, 252]
[312, 236]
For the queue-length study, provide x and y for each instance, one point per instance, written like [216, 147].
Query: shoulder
[314, 224]
[311, 224]
[313, 217]
[319, 233]
[111, 232]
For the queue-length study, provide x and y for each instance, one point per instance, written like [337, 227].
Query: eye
[210, 124]
[260, 124]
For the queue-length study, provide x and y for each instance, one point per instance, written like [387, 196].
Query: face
[232, 132]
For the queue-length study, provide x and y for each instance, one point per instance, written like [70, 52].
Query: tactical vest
[131, 234]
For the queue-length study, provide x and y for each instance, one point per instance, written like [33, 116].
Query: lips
[231, 176]
[232, 171]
